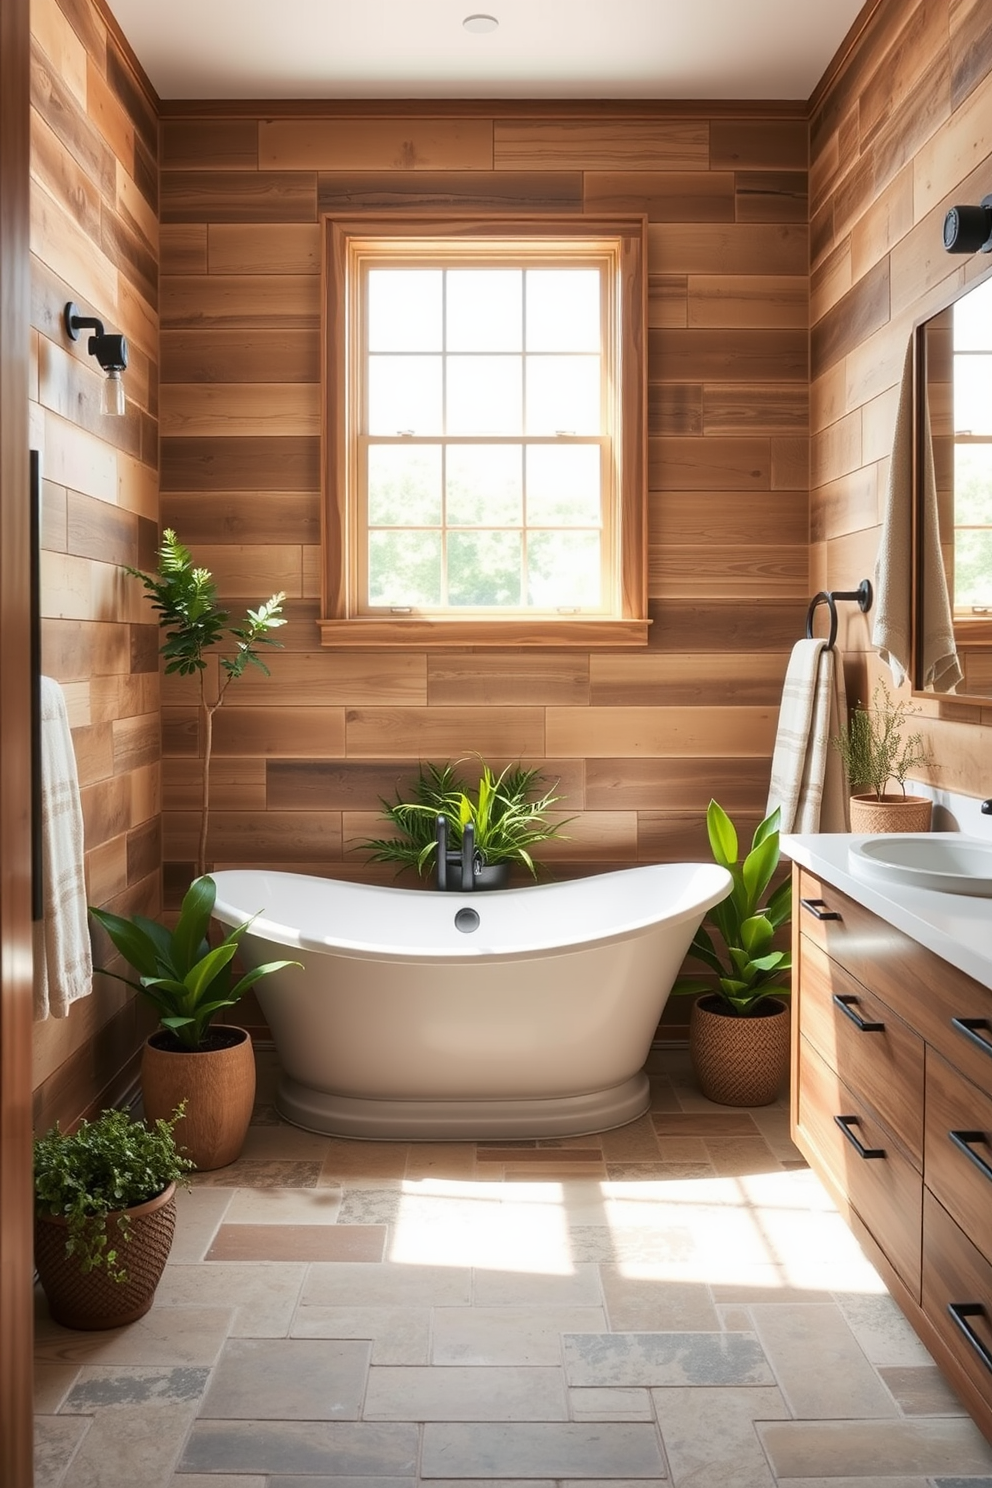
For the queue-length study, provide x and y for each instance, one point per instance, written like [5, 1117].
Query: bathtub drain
[466, 920]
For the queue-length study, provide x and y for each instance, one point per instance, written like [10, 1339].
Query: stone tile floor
[676, 1301]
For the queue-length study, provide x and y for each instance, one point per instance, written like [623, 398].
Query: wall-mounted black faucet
[463, 862]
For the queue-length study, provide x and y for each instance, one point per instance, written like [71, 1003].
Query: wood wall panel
[95, 240]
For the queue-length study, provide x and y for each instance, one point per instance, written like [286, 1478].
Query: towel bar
[863, 595]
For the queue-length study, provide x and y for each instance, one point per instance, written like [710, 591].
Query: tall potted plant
[874, 752]
[739, 1027]
[206, 1067]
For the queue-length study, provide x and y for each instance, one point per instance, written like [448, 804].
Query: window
[485, 466]
[972, 586]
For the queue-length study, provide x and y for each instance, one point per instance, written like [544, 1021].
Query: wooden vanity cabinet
[892, 1108]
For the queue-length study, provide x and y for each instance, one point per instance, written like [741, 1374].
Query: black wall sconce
[110, 351]
[969, 229]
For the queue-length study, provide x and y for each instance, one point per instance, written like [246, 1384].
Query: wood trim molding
[128, 53]
[427, 635]
[496, 108]
[843, 54]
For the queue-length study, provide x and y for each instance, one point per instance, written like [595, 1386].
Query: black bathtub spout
[468, 858]
[442, 852]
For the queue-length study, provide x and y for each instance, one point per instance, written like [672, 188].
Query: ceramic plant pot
[739, 1061]
[217, 1084]
[93, 1300]
[891, 813]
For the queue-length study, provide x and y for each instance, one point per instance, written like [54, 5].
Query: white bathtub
[534, 1022]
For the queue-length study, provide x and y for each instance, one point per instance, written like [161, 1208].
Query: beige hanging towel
[807, 780]
[63, 960]
[892, 624]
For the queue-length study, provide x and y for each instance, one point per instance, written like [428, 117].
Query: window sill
[423, 634]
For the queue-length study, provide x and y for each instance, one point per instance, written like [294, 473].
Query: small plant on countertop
[872, 746]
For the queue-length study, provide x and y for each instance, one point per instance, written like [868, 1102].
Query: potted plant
[186, 600]
[507, 818]
[208, 1067]
[105, 1212]
[739, 1027]
[874, 753]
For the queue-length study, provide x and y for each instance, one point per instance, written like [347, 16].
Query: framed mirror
[954, 416]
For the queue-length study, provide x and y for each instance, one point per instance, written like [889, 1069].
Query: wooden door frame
[16, 1204]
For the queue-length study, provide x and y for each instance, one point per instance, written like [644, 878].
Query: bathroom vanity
[892, 1091]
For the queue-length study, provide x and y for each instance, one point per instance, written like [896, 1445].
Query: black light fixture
[969, 229]
[110, 351]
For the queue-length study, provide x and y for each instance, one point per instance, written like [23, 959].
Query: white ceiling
[542, 48]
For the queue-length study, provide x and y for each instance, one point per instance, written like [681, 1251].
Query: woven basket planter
[218, 1086]
[893, 813]
[739, 1061]
[93, 1301]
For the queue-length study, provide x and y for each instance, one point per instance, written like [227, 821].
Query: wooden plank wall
[900, 130]
[641, 740]
[94, 240]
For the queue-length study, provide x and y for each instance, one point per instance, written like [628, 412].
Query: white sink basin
[946, 861]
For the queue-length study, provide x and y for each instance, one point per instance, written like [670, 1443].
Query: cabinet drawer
[876, 1055]
[885, 1190]
[948, 1009]
[957, 1295]
[959, 1149]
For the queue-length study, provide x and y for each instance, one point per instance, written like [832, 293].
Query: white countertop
[954, 926]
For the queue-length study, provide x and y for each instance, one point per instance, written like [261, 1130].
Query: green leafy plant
[179, 973]
[108, 1165]
[749, 968]
[185, 598]
[507, 815]
[872, 746]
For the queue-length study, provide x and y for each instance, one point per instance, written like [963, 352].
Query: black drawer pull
[970, 1026]
[961, 1312]
[818, 908]
[845, 1123]
[963, 1140]
[847, 1006]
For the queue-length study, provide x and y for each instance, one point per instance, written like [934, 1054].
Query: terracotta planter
[217, 1084]
[93, 1301]
[891, 813]
[739, 1061]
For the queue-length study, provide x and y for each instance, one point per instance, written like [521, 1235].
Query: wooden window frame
[341, 623]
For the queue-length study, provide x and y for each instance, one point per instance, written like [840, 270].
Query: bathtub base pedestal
[462, 1120]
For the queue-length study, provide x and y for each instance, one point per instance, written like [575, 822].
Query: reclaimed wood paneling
[286, 145]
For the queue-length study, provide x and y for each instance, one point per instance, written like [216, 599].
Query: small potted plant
[209, 1067]
[739, 1027]
[874, 753]
[105, 1212]
[507, 816]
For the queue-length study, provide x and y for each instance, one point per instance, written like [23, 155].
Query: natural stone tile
[345, 1160]
[645, 1172]
[944, 1445]
[734, 1319]
[573, 1450]
[228, 1480]
[56, 1440]
[732, 1156]
[551, 1171]
[882, 1482]
[198, 1213]
[671, 1245]
[607, 1482]
[283, 1206]
[52, 1383]
[138, 1445]
[298, 1242]
[261, 1296]
[882, 1330]
[100, 1387]
[440, 1160]
[166, 1335]
[284, 1143]
[388, 1284]
[665, 1359]
[577, 1288]
[921, 1390]
[682, 1149]
[250, 1172]
[763, 1284]
[709, 1435]
[430, 1212]
[962, 1482]
[509, 1335]
[265, 1114]
[610, 1405]
[363, 1449]
[635, 1142]
[591, 1143]
[399, 1335]
[465, 1394]
[291, 1379]
[819, 1365]
[336, 1482]
[656, 1304]
[705, 1125]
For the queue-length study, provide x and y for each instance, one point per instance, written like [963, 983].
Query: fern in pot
[875, 754]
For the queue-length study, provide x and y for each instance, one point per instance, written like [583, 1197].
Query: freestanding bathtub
[423, 1016]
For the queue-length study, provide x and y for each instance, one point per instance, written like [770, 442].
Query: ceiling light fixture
[110, 351]
[480, 23]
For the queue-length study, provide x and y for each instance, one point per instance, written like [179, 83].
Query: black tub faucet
[464, 861]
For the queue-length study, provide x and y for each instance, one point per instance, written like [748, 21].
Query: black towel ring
[863, 595]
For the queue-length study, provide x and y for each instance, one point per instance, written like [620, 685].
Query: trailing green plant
[748, 968]
[507, 815]
[107, 1165]
[185, 598]
[186, 981]
[872, 746]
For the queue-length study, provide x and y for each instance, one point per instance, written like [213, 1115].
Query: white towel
[64, 972]
[807, 780]
[892, 623]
